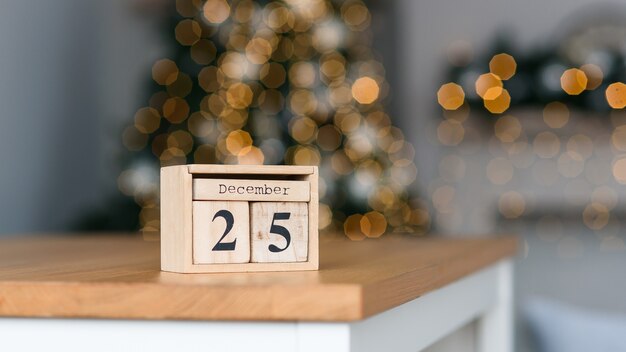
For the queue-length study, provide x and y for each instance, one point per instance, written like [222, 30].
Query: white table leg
[495, 327]
[412, 326]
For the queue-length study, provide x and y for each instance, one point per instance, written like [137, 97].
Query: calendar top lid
[116, 276]
[247, 169]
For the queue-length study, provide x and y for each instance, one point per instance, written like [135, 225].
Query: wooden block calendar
[239, 218]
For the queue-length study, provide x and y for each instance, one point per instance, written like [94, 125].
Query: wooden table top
[116, 276]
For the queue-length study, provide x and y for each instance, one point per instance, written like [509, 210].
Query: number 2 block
[221, 232]
[279, 232]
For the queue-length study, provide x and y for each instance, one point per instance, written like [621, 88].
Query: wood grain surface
[115, 276]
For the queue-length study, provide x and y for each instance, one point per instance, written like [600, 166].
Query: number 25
[230, 246]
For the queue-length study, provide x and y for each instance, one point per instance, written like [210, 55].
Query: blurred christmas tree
[292, 82]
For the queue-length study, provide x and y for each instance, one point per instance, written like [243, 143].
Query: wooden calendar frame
[177, 222]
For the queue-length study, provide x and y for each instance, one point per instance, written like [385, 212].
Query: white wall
[70, 72]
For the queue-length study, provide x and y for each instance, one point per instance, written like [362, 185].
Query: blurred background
[442, 118]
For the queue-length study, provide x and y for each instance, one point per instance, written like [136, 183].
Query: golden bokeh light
[238, 141]
[164, 72]
[401, 153]
[489, 86]
[459, 115]
[580, 144]
[356, 15]
[451, 96]
[181, 140]
[258, 50]
[499, 171]
[172, 156]
[203, 52]
[352, 227]
[188, 32]
[272, 75]
[340, 163]
[303, 130]
[605, 195]
[302, 102]
[403, 173]
[618, 138]
[616, 95]
[245, 11]
[147, 120]
[209, 79]
[302, 74]
[348, 120]
[546, 145]
[555, 114]
[619, 170]
[507, 129]
[450, 133]
[574, 81]
[340, 95]
[325, 216]
[239, 96]
[216, 11]
[175, 110]
[234, 65]
[278, 17]
[204, 154]
[368, 172]
[251, 156]
[329, 138]
[373, 224]
[594, 76]
[306, 155]
[596, 216]
[188, 8]
[365, 90]
[511, 205]
[443, 199]
[181, 87]
[200, 124]
[358, 147]
[333, 67]
[503, 65]
[499, 104]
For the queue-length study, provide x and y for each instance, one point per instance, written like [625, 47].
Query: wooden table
[397, 293]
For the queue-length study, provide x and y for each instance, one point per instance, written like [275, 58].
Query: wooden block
[279, 232]
[181, 249]
[221, 232]
[176, 215]
[210, 169]
[251, 190]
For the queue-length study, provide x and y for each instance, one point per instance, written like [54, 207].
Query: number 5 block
[220, 232]
[279, 232]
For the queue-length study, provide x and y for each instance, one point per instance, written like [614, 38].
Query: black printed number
[228, 217]
[280, 230]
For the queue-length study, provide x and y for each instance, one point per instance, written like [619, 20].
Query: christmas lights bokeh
[538, 127]
[292, 82]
